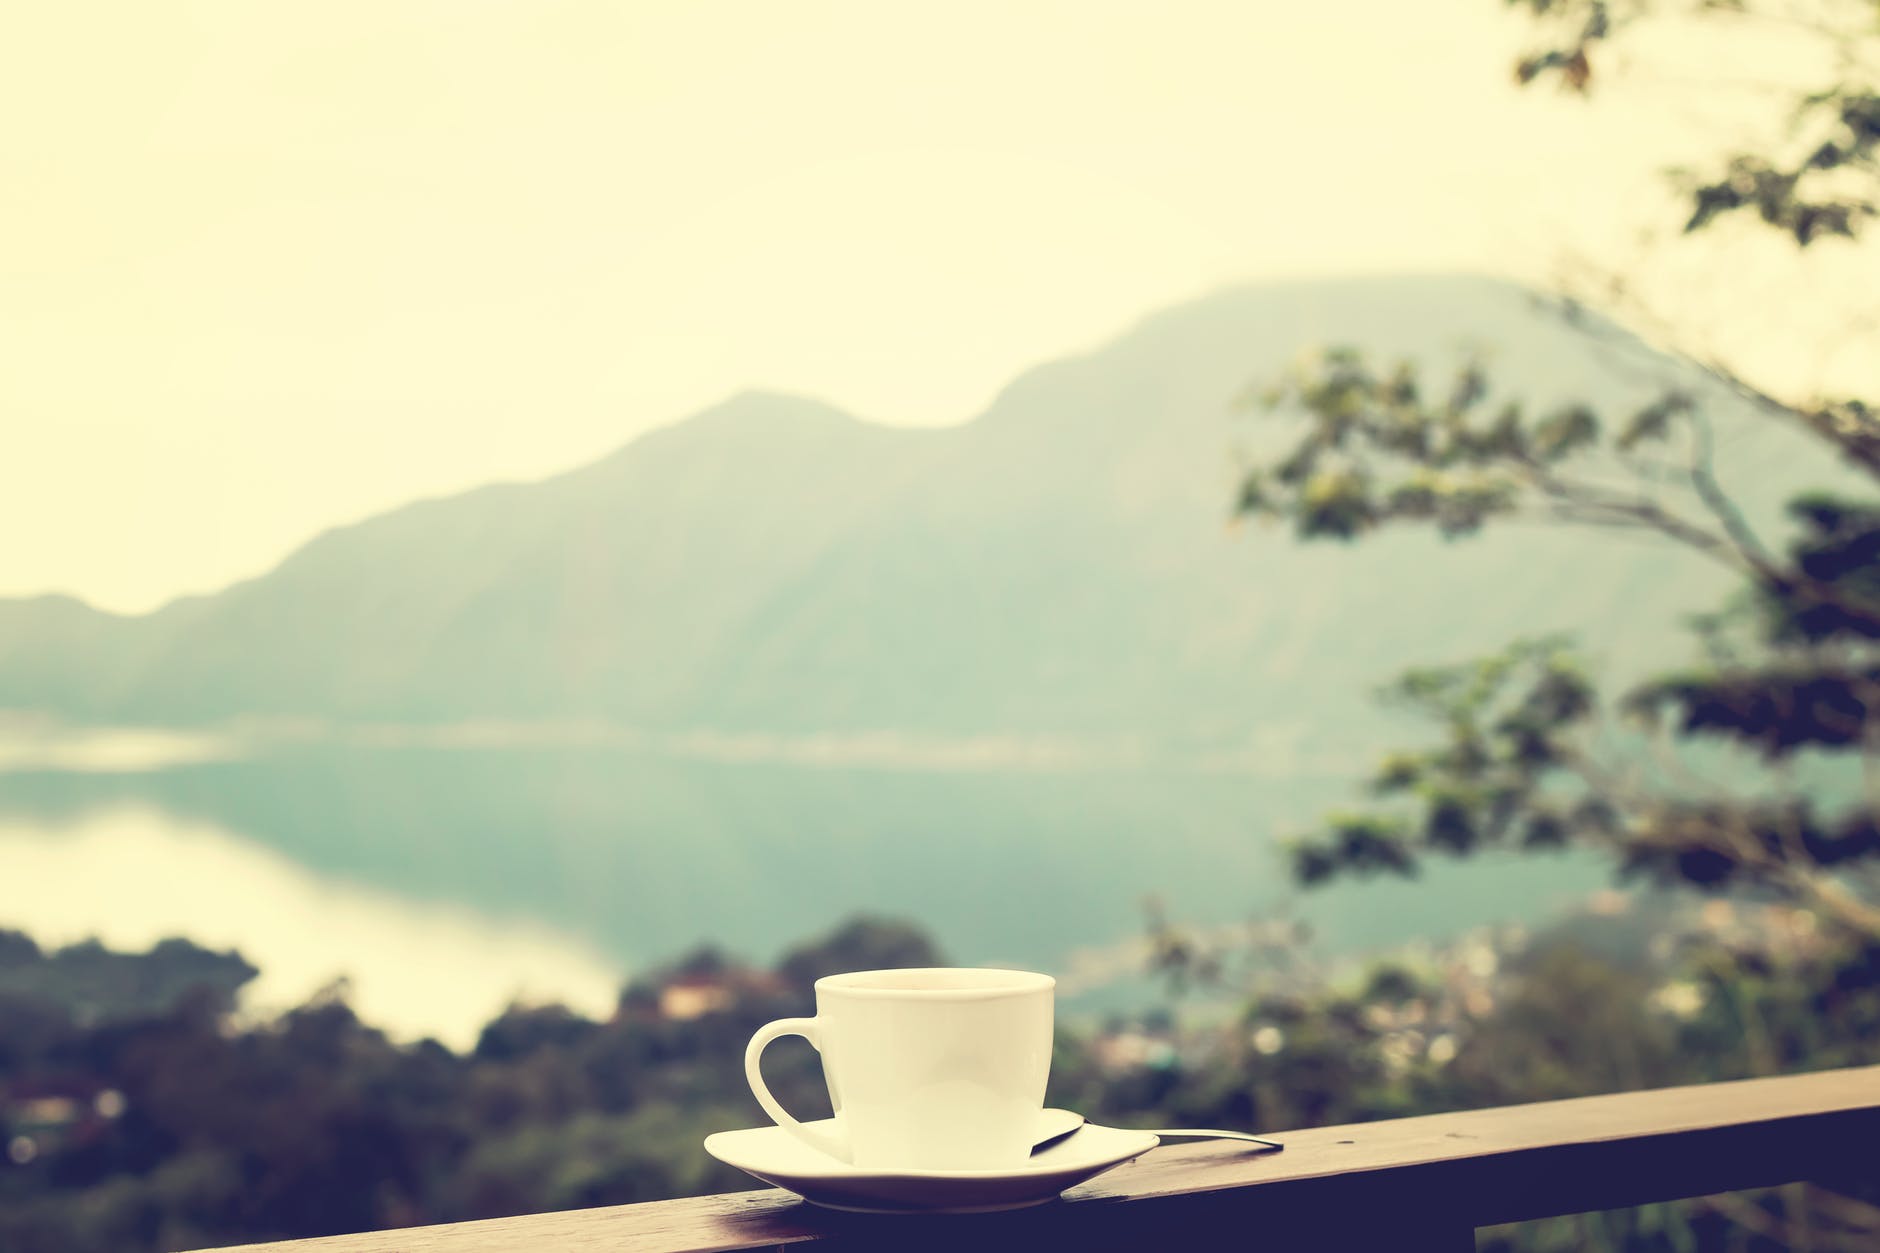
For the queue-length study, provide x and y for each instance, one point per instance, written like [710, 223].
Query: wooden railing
[1406, 1184]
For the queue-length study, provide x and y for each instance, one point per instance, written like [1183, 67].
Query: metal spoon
[1056, 1124]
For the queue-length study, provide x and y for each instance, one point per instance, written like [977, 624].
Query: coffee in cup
[931, 1069]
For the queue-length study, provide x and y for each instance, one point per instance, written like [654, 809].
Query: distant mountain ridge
[1063, 565]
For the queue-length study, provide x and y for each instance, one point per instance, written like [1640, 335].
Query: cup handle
[810, 1030]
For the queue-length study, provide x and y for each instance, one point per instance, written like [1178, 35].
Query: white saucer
[775, 1156]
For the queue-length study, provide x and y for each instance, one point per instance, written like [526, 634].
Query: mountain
[1061, 570]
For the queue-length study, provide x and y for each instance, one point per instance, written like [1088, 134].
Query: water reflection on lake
[132, 875]
[444, 880]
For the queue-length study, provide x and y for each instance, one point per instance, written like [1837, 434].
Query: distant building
[684, 997]
[694, 996]
[45, 1114]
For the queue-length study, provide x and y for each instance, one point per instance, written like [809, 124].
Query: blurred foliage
[1819, 183]
[183, 1126]
[90, 981]
[1530, 751]
[860, 944]
[148, 1115]
[1629, 991]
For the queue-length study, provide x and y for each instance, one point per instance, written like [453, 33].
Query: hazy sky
[270, 267]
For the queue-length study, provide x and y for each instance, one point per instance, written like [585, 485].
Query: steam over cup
[934, 1069]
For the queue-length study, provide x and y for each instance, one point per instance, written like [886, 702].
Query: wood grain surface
[1423, 1183]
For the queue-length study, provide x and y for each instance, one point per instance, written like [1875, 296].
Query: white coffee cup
[935, 1069]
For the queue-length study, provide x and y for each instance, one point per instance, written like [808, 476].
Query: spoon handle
[1205, 1133]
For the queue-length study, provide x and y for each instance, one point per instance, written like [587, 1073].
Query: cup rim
[855, 983]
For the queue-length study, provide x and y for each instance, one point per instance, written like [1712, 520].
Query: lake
[442, 881]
